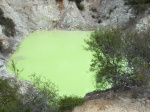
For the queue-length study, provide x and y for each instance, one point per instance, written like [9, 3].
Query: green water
[59, 56]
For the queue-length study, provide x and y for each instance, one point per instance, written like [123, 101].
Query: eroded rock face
[134, 100]
[124, 104]
[31, 15]
[107, 12]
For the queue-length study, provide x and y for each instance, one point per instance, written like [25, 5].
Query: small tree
[8, 99]
[47, 92]
[43, 99]
[40, 96]
[137, 52]
[67, 103]
[120, 58]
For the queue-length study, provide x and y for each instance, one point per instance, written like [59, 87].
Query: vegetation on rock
[8, 99]
[67, 103]
[137, 2]
[35, 98]
[120, 58]
[78, 3]
[44, 99]
[139, 6]
[40, 96]
[9, 26]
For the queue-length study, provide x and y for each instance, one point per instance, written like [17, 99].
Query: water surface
[59, 56]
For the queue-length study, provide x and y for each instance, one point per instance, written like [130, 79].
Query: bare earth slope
[134, 100]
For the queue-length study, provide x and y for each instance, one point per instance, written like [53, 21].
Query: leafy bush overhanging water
[120, 58]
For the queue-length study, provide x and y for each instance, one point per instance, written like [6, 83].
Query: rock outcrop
[120, 104]
[133, 100]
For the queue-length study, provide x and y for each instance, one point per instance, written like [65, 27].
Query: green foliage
[8, 24]
[80, 7]
[78, 3]
[47, 91]
[106, 63]
[138, 55]
[44, 99]
[139, 6]
[67, 103]
[43, 94]
[11, 99]
[8, 99]
[14, 68]
[120, 58]
[137, 2]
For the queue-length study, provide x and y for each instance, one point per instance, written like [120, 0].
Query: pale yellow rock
[115, 105]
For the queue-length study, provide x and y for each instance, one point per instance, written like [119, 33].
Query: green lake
[58, 56]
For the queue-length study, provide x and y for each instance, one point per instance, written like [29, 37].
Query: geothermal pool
[58, 56]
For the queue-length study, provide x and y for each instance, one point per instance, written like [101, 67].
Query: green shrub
[120, 59]
[69, 102]
[137, 2]
[78, 3]
[8, 23]
[47, 92]
[80, 7]
[43, 94]
[8, 95]
[13, 67]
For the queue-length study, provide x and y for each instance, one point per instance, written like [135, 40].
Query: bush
[137, 2]
[120, 59]
[41, 95]
[80, 7]
[137, 51]
[8, 23]
[139, 6]
[47, 92]
[44, 99]
[78, 3]
[8, 95]
[69, 102]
